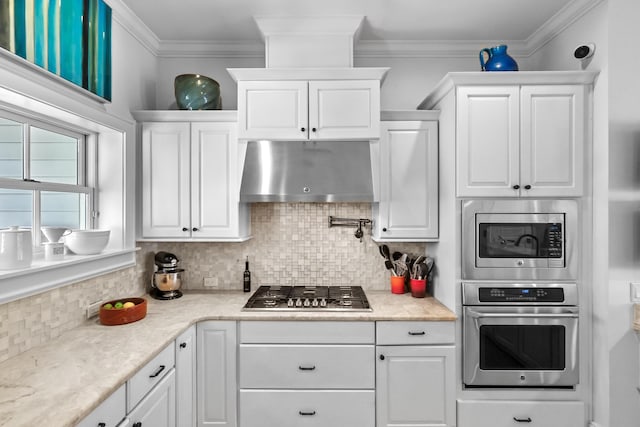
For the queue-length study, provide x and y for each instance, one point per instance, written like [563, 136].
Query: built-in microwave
[519, 239]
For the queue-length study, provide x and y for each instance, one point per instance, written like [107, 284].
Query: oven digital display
[551, 295]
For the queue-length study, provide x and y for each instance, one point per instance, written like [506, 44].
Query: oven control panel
[505, 294]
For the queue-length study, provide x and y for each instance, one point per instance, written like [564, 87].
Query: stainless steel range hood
[307, 171]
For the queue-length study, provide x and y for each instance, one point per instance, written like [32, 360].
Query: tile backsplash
[291, 244]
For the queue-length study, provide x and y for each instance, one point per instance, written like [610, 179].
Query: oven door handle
[510, 315]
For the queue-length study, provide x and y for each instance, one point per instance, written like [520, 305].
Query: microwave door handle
[567, 315]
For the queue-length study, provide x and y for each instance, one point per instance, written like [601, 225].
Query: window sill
[45, 275]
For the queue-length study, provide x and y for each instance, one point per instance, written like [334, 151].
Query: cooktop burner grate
[308, 298]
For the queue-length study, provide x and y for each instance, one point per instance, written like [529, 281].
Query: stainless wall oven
[519, 239]
[520, 335]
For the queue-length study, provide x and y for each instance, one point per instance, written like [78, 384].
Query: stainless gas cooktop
[308, 298]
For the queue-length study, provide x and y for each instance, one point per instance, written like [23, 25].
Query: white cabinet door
[272, 110]
[488, 141]
[344, 109]
[165, 180]
[191, 176]
[215, 180]
[415, 386]
[408, 180]
[552, 141]
[186, 378]
[158, 407]
[216, 367]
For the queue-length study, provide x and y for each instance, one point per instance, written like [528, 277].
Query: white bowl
[87, 242]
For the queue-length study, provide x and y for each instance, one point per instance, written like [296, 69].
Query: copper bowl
[121, 316]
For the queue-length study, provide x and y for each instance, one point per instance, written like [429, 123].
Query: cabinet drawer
[307, 408]
[411, 333]
[109, 413]
[149, 375]
[311, 332]
[307, 366]
[506, 413]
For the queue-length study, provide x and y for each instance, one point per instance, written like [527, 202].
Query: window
[43, 179]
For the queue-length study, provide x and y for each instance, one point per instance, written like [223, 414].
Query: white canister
[53, 251]
[16, 248]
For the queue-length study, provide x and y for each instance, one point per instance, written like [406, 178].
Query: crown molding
[363, 48]
[558, 23]
[210, 49]
[134, 26]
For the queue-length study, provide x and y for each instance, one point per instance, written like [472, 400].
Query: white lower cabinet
[148, 399]
[510, 413]
[415, 374]
[110, 412]
[216, 367]
[157, 409]
[308, 408]
[186, 378]
[307, 374]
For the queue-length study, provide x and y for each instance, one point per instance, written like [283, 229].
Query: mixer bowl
[167, 281]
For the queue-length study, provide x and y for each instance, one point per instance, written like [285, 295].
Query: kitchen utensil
[167, 279]
[53, 234]
[384, 251]
[87, 242]
[16, 248]
[497, 59]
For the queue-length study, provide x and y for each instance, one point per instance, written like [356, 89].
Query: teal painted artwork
[69, 38]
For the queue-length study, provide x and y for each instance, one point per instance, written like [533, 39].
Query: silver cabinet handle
[476, 314]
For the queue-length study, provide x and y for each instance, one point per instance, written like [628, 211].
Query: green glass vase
[197, 92]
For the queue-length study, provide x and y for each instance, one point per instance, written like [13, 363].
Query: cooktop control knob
[314, 303]
[307, 303]
[290, 302]
[323, 302]
[298, 302]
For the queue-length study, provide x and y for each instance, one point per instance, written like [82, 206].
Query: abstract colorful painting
[70, 38]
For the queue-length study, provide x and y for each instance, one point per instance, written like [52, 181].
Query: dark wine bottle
[246, 279]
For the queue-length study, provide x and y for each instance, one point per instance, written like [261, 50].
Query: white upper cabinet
[407, 208]
[516, 134]
[190, 181]
[525, 141]
[295, 110]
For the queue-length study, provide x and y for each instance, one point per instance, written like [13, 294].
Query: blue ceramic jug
[498, 60]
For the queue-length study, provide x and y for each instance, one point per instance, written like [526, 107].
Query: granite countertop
[64, 380]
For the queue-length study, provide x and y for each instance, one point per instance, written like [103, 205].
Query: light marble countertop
[61, 382]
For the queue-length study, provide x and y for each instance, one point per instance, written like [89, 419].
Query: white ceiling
[400, 20]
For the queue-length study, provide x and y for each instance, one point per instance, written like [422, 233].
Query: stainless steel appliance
[520, 335]
[167, 279]
[308, 298]
[520, 239]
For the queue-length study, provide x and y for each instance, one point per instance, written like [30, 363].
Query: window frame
[86, 165]
[112, 139]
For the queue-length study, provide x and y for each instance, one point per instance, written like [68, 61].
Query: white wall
[616, 200]
[406, 84]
